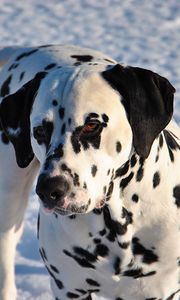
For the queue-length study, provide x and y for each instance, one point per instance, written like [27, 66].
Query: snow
[138, 32]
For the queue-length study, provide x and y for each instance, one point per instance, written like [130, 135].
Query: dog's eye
[39, 133]
[91, 127]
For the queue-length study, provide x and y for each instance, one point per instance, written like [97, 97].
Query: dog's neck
[140, 189]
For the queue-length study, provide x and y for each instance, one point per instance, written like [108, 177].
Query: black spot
[72, 217]
[148, 256]
[50, 66]
[72, 295]
[93, 290]
[135, 198]
[61, 112]
[54, 102]
[82, 58]
[122, 170]
[133, 160]
[84, 253]
[104, 190]
[38, 224]
[4, 138]
[64, 167]
[93, 170]
[94, 140]
[101, 250]
[161, 141]
[109, 225]
[171, 144]
[137, 273]
[43, 132]
[5, 87]
[13, 66]
[57, 281]
[108, 60]
[150, 299]
[21, 76]
[43, 254]
[85, 186]
[75, 140]
[102, 232]
[110, 190]
[56, 215]
[83, 292]
[176, 195]
[117, 264]
[56, 154]
[69, 121]
[105, 118]
[133, 273]
[156, 179]
[63, 129]
[157, 158]
[124, 245]
[140, 173]
[78, 139]
[125, 181]
[54, 269]
[118, 298]
[97, 241]
[76, 179]
[92, 282]
[108, 172]
[45, 46]
[81, 261]
[115, 227]
[118, 147]
[171, 297]
[25, 54]
[77, 63]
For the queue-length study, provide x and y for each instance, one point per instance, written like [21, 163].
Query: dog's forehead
[76, 93]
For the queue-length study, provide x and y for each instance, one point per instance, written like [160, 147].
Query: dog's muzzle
[52, 191]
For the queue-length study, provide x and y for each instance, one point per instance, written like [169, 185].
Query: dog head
[82, 124]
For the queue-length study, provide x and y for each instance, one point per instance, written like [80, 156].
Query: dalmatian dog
[101, 140]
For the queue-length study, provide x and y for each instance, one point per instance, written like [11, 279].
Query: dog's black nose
[51, 189]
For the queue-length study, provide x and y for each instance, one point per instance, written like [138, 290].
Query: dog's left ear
[15, 112]
[148, 101]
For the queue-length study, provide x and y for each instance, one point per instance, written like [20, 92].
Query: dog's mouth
[50, 208]
[69, 207]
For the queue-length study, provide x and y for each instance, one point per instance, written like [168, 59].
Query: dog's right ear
[148, 101]
[15, 112]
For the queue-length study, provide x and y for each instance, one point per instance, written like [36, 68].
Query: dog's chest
[86, 250]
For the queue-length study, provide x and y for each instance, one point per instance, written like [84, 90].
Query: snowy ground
[139, 32]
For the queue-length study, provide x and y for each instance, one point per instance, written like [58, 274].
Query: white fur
[81, 90]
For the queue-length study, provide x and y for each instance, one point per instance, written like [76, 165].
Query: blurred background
[135, 32]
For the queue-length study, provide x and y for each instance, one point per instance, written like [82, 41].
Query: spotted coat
[101, 140]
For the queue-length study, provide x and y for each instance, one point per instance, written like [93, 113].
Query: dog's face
[80, 134]
[81, 124]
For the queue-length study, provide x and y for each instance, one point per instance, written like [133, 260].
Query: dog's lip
[62, 211]
[48, 210]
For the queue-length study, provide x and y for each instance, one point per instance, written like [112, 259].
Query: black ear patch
[15, 112]
[148, 100]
